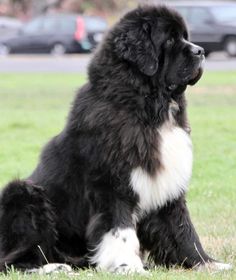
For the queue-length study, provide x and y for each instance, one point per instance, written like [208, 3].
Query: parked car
[56, 34]
[9, 26]
[212, 25]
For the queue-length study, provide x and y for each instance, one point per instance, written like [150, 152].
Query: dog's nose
[197, 50]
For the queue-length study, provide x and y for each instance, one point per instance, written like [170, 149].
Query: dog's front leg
[114, 245]
[169, 236]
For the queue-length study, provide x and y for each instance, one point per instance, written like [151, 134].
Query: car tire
[4, 50]
[230, 46]
[58, 49]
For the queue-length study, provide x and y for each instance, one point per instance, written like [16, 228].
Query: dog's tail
[12, 257]
[27, 223]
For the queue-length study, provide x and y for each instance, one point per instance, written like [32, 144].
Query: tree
[93, 5]
[22, 5]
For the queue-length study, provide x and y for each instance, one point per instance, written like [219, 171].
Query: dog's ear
[136, 46]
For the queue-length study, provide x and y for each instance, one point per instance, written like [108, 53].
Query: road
[44, 63]
[78, 63]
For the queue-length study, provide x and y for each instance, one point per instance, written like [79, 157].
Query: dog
[110, 188]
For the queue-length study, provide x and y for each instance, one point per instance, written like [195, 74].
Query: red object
[80, 29]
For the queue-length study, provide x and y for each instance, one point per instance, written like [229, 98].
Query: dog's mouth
[188, 80]
[196, 76]
[197, 72]
[191, 78]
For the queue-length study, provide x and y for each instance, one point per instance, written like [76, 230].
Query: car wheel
[58, 49]
[4, 50]
[230, 46]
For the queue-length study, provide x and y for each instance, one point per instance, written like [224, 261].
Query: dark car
[9, 26]
[56, 34]
[212, 25]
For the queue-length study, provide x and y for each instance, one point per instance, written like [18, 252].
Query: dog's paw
[133, 265]
[127, 269]
[51, 268]
[214, 266]
[55, 268]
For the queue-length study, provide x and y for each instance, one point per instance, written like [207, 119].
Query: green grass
[34, 107]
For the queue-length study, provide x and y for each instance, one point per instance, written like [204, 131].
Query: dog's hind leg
[27, 227]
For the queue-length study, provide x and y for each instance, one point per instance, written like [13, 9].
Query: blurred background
[58, 27]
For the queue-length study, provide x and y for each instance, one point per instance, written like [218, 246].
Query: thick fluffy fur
[127, 128]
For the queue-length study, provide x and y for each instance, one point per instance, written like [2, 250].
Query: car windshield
[225, 13]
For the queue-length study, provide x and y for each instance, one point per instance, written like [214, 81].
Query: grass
[34, 107]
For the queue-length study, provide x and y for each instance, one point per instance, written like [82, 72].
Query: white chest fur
[170, 180]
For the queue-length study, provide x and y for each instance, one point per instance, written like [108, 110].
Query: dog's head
[155, 41]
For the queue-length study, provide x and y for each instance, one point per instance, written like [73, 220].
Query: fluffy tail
[12, 258]
[27, 221]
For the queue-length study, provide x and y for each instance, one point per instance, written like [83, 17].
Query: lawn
[33, 107]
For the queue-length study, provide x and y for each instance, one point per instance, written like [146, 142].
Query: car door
[28, 39]
[49, 32]
[202, 26]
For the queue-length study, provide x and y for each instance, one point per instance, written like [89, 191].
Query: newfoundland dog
[110, 188]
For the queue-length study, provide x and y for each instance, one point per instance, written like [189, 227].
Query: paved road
[44, 63]
[78, 63]
[220, 61]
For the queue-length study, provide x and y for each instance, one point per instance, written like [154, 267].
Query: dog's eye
[170, 42]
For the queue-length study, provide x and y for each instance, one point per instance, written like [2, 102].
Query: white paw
[118, 252]
[222, 266]
[215, 266]
[133, 265]
[51, 268]
[124, 269]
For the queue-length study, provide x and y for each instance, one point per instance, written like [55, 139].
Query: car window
[95, 24]
[224, 13]
[58, 24]
[50, 25]
[34, 26]
[184, 11]
[67, 25]
[199, 16]
[9, 23]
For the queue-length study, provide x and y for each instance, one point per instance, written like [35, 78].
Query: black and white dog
[111, 186]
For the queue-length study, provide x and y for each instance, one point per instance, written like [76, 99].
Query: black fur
[80, 188]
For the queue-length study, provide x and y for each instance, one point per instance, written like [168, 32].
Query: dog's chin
[188, 80]
[195, 77]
